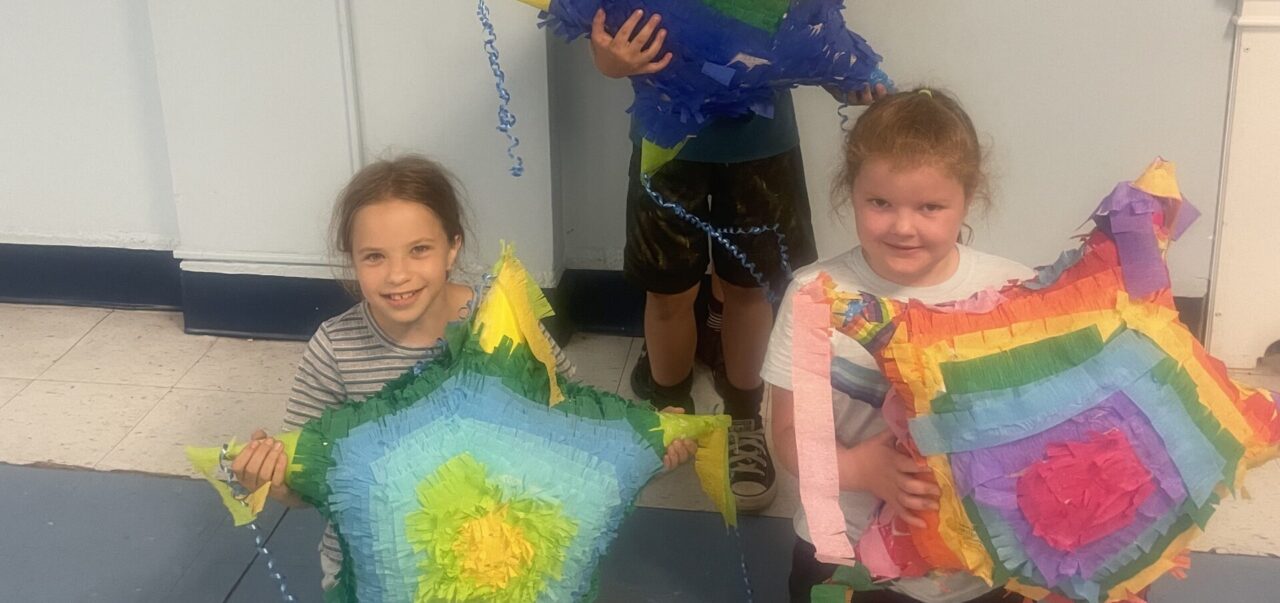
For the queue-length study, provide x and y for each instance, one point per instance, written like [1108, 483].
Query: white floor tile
[189, 417]
[132, 348]
[599, 359]
[71, 423]
[624, 381]
[676, 489]
[1261, 379]
[246, 366]
[788, 499]
[1248, 526]
[10, 388]
[32, 338]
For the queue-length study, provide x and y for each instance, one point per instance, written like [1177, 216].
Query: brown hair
[921, 127]
[411, 178]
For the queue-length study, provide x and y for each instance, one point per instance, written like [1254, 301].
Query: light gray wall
[83, 158]
[238, 165]
[1073, 97]
[426, 85]
[223, 130]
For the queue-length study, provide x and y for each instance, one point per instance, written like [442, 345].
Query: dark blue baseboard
[89, 276]
[600, 301]
[250, 305]
[277, 307]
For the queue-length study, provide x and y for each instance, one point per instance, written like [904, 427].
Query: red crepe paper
[1083, 491]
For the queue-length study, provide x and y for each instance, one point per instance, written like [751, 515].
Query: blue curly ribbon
[784, 253]
[876, 77]
[721, 237]
[844, 117]
[506, 119]
[259, 542]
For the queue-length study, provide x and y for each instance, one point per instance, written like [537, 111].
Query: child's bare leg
[670, 334]
[748, 320]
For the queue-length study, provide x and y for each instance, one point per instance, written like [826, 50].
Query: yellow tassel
[205, 462]
[711, 461]
[511, 310]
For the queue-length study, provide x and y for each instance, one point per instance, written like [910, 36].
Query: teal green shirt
[746, 138]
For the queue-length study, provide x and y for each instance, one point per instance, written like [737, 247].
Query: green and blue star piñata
[483, 475]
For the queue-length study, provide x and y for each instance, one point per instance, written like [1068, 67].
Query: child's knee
[739, 295]
[671, 305]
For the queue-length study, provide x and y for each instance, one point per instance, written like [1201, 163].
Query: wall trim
[89, 276]
[259, 306]
[116, 240]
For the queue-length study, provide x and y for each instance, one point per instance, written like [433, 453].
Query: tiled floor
[125, 390]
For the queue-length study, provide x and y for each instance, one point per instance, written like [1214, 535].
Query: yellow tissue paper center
[492, 550]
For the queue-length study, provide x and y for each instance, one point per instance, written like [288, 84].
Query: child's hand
[263, 461]
[865, 96]
[897, 479]
[628, 52]
[680, 451]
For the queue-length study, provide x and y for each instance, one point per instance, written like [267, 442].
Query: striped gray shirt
[350, 358]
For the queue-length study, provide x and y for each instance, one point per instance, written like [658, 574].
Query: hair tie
[927, 92]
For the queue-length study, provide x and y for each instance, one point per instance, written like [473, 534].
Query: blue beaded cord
[742, 562]
[259, 542]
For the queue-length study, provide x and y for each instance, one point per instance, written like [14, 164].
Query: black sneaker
[679, 395]
[751, 472]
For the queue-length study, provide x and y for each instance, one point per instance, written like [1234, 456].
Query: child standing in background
[737, 173]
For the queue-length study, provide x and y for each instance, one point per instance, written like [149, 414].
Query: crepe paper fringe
[1078, 385]
[511, 310]
[481, 543]
[585, 459]
[587, 471]
[711, 461]
[210, 463]
[729, 57]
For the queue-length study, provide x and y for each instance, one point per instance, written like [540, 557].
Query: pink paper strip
[873, 551]
[815, 425]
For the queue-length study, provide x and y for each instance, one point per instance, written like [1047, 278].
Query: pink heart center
[1084, 490]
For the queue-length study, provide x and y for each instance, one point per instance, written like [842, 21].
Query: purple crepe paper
[1141, 263]
[1125, 196]
[990, 477]
[1127, 214]
[1187, 214]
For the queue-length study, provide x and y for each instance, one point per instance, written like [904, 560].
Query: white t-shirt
[860, 388]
